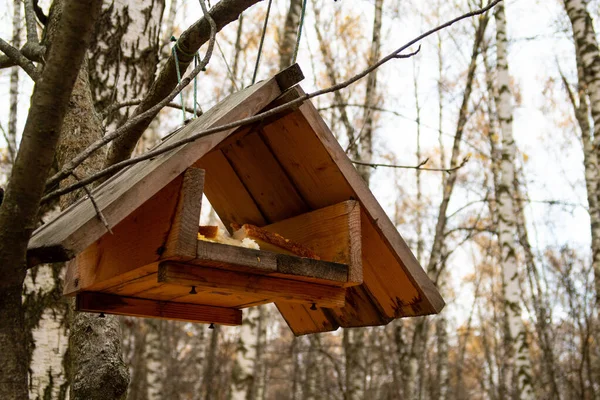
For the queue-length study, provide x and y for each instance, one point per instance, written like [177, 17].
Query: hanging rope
[300, 25]
[174, 50]
[196, 61]
[262, 40]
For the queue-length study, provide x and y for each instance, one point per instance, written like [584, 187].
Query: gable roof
[261, 174]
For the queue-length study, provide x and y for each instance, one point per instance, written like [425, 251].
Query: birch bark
[588, 64]
[517, 358]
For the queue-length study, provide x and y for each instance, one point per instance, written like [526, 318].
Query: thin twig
[419, 166]
[19, 59]
[98, 212]
[245, 121]
[136, 102]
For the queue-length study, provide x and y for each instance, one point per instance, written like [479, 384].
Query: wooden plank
[332, 232]
[306, 161]
[292, 76]
[405, 261]
[138, 240]
[217, 255]
[227, 194]
[111, 304]
[181, 241]
[262, 285]
[263, 177]
[78, 226]
[148, 287]
[303, 321]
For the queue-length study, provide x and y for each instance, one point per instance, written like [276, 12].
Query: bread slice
[208, 231]
[217, 235]
[271, 241]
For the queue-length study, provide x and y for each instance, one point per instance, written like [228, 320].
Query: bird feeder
[286, 174]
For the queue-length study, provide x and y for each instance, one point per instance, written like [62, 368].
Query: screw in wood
[193, 291]
[313, 307]
[211, 326]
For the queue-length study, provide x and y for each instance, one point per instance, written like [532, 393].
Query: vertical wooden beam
[183, 236]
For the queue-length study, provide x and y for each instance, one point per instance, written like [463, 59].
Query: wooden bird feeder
[286, 174]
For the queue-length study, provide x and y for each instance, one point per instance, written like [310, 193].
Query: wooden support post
[277, 289]
[111, 304]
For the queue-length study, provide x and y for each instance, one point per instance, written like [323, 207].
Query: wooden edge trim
[238, 282]
[182, 238]
[314, 327]
[289, 77]
[266, 262]
[112, 304]
[373, 209]
[355, 272]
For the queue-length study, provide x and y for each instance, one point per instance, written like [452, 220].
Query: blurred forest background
[483, 148]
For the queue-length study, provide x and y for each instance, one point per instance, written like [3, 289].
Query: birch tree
[587, 56]
[517, 360]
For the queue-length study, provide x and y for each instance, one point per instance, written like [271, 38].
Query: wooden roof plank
[432, 302]
[78, 226]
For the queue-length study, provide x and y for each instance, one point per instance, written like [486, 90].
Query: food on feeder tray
[217, 235]
[208, 231]
[271, 241]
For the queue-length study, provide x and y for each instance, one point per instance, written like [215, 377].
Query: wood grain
[260, 285]
[78, 226]
[111, 304]
[217, 255]
[331, 232]
[428, 300]
[263, 177]
[138, 240]
[181, 241]
[227, 194]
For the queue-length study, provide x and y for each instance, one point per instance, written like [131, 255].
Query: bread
[271, 241]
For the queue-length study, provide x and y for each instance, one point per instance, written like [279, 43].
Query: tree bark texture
[371, 98]
[124, 53]
[516, 348]
[245, 379]
[588, 64]
[190, 41]
[289, 35]
[18, 213]
[11, 138]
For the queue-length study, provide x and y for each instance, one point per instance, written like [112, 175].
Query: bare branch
[136, 102]
[419, 166]
[32, 36]
[19, 59]
[409, 55]
[246, 121]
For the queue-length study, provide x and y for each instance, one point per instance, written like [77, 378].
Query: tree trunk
[19, 210]
[124, 54]
[516, 348]
[588, 64]
[11, 137]
[245, 378]
[371, 98]
[209, 370]
[435, 256]
[290, 34]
